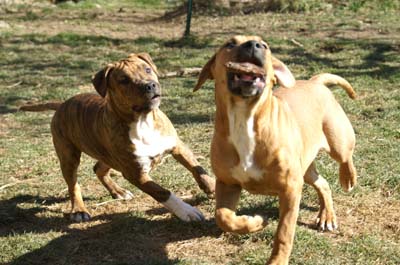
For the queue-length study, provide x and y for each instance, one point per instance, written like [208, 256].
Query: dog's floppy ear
[100, 80]
[283, 75]
[205, 73]
[146, 57]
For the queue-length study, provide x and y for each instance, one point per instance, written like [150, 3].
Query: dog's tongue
[247, 77]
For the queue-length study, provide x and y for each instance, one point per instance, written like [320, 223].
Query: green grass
[89, 4]
[55, 60]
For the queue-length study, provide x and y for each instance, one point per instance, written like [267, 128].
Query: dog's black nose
[252, 51]
[252, 45]
[151, 87]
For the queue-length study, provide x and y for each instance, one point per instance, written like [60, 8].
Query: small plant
[30, 15]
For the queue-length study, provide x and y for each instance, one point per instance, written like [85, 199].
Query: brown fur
[100, 126]
[288, 128]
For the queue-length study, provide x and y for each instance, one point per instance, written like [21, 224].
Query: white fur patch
[242, 136]
[182, 210]
[148, 141]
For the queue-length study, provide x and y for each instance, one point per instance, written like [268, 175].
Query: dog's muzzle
[246, 76]
[151, 93]
[245, 79]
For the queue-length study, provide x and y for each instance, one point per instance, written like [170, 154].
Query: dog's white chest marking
[242, 136]
[148, 142]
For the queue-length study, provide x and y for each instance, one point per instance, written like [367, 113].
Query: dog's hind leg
[326, 217]
[341, 139]
[102, 171]
[347, 174]
[69, 157]
[227, 197]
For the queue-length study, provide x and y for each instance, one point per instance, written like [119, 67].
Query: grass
[51, 53]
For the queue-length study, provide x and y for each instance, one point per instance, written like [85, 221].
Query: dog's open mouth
[150, 103]
[245, 79]
[155, 97]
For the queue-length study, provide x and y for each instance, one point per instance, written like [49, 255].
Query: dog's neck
[232, 111]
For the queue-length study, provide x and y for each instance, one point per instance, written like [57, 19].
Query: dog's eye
[230, 45]
[265, 46]
[148, 70]
[124, 80]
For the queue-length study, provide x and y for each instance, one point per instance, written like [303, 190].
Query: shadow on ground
[120, 238]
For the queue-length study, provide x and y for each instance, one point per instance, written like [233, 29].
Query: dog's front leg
[170, 201]
[227, 197]
[185, 156]
[289, 203]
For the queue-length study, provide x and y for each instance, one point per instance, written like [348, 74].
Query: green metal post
[188, 18]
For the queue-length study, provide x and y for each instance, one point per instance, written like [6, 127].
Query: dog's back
[77, 122]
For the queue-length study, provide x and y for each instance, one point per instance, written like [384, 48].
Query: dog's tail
[330, 79]
[41, 106]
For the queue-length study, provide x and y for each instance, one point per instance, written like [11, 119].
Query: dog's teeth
[236, 78]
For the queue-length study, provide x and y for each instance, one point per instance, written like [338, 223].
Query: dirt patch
[135, 23]
[370, 214]
[132, 23]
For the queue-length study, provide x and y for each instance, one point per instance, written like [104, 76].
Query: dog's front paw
[189, 213]
[326, 220]
[122, 194]
[78, 217]
[228, 221]
[255, 223]
[182, 210]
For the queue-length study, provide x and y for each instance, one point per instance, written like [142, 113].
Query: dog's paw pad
[78, 217]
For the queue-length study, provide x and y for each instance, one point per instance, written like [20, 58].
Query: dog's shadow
[116, 238]
[119, 238]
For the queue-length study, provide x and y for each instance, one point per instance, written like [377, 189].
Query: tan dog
[265, 141]
[125, 130]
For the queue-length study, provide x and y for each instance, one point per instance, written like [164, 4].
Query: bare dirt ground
[135, 23]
